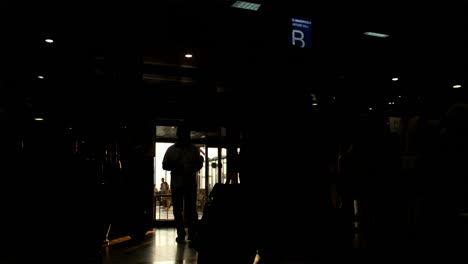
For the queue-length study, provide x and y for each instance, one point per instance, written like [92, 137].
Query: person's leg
[192, 215]
[178, 202]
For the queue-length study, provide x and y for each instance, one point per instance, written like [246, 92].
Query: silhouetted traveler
[183, 159]
[164, 188]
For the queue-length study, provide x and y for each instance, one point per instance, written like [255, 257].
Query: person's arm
[200, 162]
[168, 160]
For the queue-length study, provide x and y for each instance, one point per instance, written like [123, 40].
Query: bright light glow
[370, 108]
[373, 34]
[314, 104]
[40, 77]
[457, 86]
[159, 173]
[246, 5]
[39, 119]
[188, 55]
[49, 40]
[394, 79]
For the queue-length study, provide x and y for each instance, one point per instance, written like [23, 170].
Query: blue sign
[301, 34]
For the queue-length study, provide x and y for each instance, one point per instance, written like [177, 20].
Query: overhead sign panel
[301, 34]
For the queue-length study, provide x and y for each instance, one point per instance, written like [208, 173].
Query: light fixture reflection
[374, 34]
[49, 40]
[246, 5]
[457, 86]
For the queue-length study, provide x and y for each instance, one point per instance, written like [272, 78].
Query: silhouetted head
[183, 134]
[162, 180]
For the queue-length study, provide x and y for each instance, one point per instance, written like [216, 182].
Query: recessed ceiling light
[246, 5]
[399, 96]
[394, 79]
[39, 119]
[49, 40]
[374, 34]
[40, 77]
[457, 86]
[188, 55]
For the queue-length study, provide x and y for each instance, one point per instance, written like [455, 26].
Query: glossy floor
[159, 247]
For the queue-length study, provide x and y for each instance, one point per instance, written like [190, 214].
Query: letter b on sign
[298, 36]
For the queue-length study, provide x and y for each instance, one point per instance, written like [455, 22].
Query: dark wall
[63, 183]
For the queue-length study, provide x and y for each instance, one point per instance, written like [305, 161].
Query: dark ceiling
[115, 58]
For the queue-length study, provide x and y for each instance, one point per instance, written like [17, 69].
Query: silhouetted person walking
[164, 188]
[183, 159]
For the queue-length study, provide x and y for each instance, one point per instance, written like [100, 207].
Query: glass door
[213, 171]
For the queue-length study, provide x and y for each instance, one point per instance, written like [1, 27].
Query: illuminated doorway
[213, 171]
